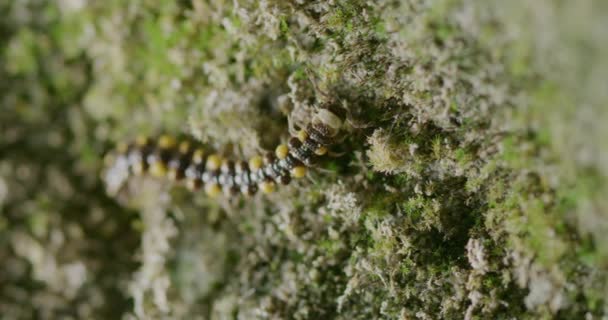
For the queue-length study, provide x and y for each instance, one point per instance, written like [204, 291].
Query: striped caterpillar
[182, 162]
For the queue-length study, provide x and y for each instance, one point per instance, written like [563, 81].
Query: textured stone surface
[469, 183]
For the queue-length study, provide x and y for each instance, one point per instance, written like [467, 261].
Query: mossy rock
[469, 181]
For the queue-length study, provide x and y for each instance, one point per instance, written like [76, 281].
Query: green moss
[469, 183]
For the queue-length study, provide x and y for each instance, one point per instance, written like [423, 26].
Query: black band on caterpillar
[183, 162]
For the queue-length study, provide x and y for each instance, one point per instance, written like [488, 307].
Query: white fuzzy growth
[477, 256]
[116, 175]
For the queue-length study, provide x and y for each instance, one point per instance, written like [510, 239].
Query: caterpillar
[196, 168]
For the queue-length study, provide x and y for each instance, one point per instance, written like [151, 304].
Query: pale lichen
[468, 181]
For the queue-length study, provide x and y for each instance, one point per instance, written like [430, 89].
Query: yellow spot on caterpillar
[173, 174]
[122, 147]
[302, 135]
[267, 186]
[193, 184]
[166, 142]
[281, 151]
[198, 155]
[158, 169]
[321, 151]
[141, 140]
[255, 163]
[213, 190]
[214, 162]
[184, 147]
[298, 172]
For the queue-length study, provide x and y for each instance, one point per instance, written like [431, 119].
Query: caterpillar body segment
[198, 168]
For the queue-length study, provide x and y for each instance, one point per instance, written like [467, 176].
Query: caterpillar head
[330, 119]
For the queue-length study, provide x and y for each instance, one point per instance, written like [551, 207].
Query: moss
[468, 185]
